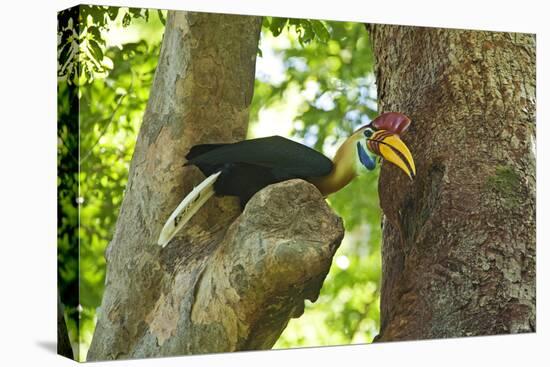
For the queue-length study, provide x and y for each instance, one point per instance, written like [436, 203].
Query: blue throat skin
[365, 158]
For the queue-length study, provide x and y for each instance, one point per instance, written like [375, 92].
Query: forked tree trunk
[459, 241]
[227, 282]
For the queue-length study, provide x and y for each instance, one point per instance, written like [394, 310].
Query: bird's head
[381, 137]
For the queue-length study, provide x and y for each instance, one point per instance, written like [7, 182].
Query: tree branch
[272, 257]
[222, 284]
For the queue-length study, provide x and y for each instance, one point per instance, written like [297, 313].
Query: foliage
[80, 41]
[333, 77]
[307, 29]
[326, 68]
[93, 166]
[67, 208]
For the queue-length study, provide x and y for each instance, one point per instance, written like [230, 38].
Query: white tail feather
[187, 208]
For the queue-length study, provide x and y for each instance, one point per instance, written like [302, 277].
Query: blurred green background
[314, 84]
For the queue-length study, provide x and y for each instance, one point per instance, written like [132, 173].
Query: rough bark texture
[226, 282]
[459, 241]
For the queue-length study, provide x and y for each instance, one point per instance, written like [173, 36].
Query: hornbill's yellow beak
[390, 147]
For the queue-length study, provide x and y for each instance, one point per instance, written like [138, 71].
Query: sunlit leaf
[96, 50]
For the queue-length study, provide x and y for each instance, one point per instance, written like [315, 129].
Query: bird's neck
[344, 168]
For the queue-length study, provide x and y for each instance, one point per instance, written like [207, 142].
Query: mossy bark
[228, 281]
[459, 241]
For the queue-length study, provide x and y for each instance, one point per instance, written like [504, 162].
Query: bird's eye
[368, 132]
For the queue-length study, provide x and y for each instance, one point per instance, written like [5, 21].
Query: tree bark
[459, 241]
[226, 282]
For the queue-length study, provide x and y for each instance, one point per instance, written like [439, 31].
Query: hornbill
[244, 168]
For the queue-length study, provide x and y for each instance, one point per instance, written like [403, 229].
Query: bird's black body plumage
[250, 165]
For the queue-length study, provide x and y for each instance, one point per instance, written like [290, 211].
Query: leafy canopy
[331, 73]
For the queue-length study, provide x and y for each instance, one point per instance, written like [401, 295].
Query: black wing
[274, 152]
[250, 165]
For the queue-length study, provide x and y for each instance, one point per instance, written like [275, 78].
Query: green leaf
[320, 30]
[161, 17]
[306, 32]
[96, 34]
[277, 25]
[126, 20]
[136, 12]
[96, 50]
[64, 55]
[112, 12]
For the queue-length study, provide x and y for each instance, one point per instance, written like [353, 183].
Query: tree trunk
[227, 282]
[459, 241]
